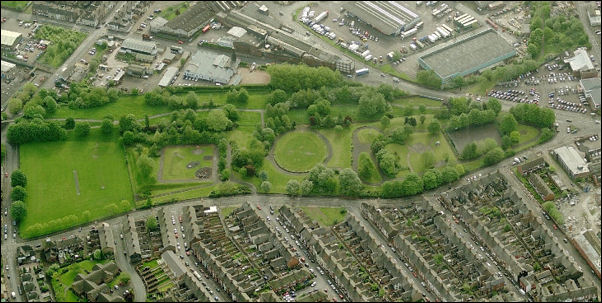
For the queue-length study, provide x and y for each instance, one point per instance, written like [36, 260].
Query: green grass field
[299, 150]
[367, 135]
[61, 282]
[125, 105]
[173, 11]
[176, 158]
[326, 216]
[341, 147]
[16, 5]
[374, 175]
[52, 202]
[416, 101]
[418, 144]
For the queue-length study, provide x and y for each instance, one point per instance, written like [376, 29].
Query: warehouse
[139, 46]
[468, 55]
[591, 89]
[388, 17]
[209, 66]
[10, 39]
[572, 163]
[169, 75]
[186, 24]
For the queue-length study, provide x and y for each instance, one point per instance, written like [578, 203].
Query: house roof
[174, 263]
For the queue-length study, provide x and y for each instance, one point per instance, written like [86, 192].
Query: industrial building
[469, 55]
[169, 75]
[588, 245]
[388, 17]
[591, 90]
[209, 66]
[581, 64]
[186, 24]
[572, 163]
[139, 46]
[10, 39]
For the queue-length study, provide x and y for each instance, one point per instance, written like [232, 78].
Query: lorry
[321, 16]
[362, 71]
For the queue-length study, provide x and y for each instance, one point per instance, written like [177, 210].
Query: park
[183, 143]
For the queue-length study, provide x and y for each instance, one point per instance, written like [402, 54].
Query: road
[122, 262]
[589, 30]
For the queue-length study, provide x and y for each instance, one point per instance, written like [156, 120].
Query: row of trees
[292, 78]
[18, 182]
[533, 115]
[322, 179]
[82, 96]
[413, 184]
[36, 130]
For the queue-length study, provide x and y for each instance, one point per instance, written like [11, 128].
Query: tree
[306, 187]
[82, 129]
[494, 105]
[192, 101]
[448, 175]
[292, 187]
[97, 254]
[145, 167]
[231, 112]
[18, 178]
[422, 118]
[411, 185]
[434, 128]
[428, 78]
[128, 123]
[391, 189]
[151, 223]
[470, 151]
[49, 104]
[18, 193]
[18, 210]
[350, 183]
[277, 96]
[508, 124]
[266, 186]
[69, 123]
[428, 159]
[515, 137]
[385, 122]
[422, 109]
[14, 106]
[506, 142]
[32, 110]
[493, 156]
[400, 134]
[217, 121]
[431, 179]
[365, 167]
[106, 127]
[371, 104]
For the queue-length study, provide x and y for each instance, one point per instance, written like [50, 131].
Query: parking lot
[552, 85]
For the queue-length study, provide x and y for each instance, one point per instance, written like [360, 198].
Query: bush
[493, 156]
[18, 193]
[151, 223]
[69, 123]
[82, 129]
[18, 210]
[428, 78]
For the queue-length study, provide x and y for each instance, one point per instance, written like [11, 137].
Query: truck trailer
[362, 71]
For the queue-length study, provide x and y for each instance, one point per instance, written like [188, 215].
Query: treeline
[465, 113]
[533, 115]
[413, 184]
[36, 130]
[292, 78]
[82, 96]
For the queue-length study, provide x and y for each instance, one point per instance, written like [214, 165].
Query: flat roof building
[139, 46]
[591, 90]
[571, 162]
[186, 24]
[170, 73]
[580, 62]
[10, 38]
[7, 66]
[469, 55]
[594, 17]
[388, 17]
[209, 66]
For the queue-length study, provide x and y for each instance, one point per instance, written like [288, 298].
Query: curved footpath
[272, 159]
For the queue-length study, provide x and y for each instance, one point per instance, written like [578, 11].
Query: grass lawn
[176, 158]
[257, 100]
[341, 147]
[248, 120]
[326, 216]
[419, 143]
[367, 135]
[61, 282]
[193, 193]
[101, 173]
[416, 101]
[299, 150]
[125, 105]
[275, 176]
[226, 211]
[374, 175]
[527, 133]
[16, 5]
[173, 11]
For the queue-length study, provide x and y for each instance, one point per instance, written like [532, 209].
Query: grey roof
[174, 263]
[168, 76]
[571, 159]
[591, 87]
[389, 17]
[192, 18]
[581, 61]
[9, 37]
[210, 66]
[139, 46]
[158, 22]
[237, 31]
[477, 51]
[589, 250]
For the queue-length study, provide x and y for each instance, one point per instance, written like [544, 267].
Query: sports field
[56, 171]
[299, 150]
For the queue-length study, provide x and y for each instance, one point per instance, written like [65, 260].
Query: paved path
[76, 181]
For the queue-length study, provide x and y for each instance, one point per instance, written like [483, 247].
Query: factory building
[388, 17]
